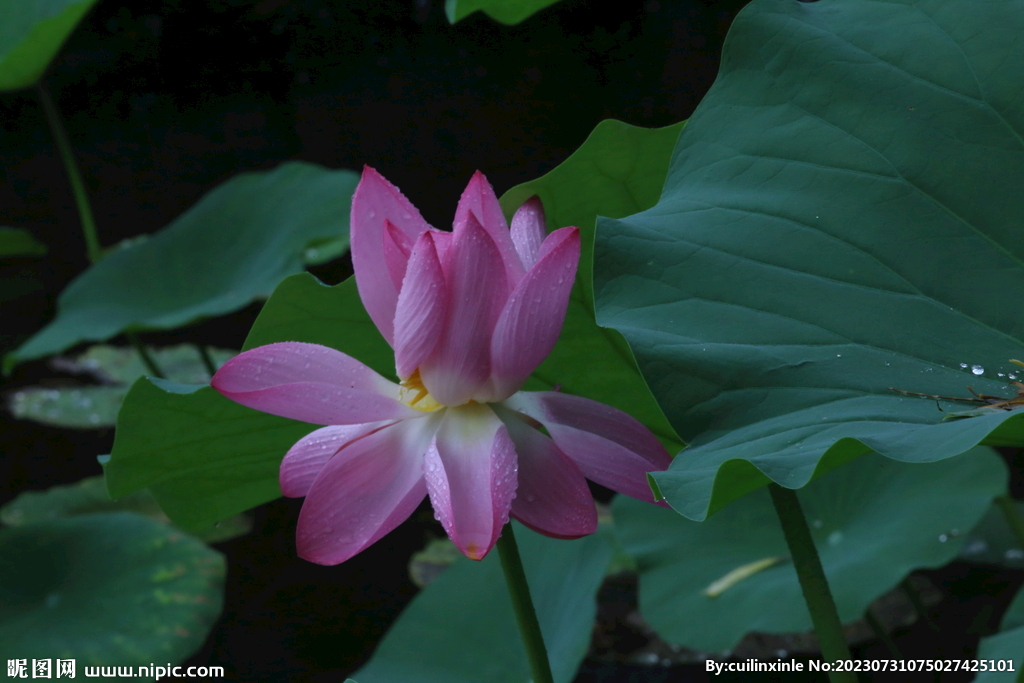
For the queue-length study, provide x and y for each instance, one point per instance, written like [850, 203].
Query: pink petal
[529, 230]
[303, 461]
[610, 447]
[422, 307]
[552, 497]
[479, 199]
[364, 491]
[374, 202]
[477, 292]
[532, 320]
[397, 248]
[471, 476]
[311, 383]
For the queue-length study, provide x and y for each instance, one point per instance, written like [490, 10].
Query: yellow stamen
[413, 394]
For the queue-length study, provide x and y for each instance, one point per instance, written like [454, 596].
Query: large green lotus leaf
[206, 458]
[96, 406]
[31, 34]
[992, 541]
[106, 588]
[90, 495]
[873, 521]
[461, 628]
[842, 215]
[506, 11]
[618, 170]
[234, 246]
[18, 242]
[1007, 645]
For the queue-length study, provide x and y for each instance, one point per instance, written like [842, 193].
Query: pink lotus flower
[470, 314]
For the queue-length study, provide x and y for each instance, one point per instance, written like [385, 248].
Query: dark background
[165, 99]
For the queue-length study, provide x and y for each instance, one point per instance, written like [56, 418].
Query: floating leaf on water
[93, 407]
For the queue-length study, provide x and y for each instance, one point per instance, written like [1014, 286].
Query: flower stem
[144, 355]
[204, 356]
[817, 594]
[1008, 506]
[907, 586]
[522, 604]
[60, 136]
[882, 633]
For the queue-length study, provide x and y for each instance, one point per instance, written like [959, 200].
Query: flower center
[413, 394]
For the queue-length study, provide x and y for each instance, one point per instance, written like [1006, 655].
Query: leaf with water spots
[90, 495]
[842, 215]
[992, 541]
[90, 406]
[873, 520]
[106, 588]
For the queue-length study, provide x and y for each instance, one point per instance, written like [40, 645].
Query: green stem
[519, 591]
[204, 355]
[817, 594]
[882, 633]
[60, 135]
[143, 352]
[1008, 506]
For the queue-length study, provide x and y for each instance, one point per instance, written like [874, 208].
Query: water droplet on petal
[943, 538]
[963, 365]
[977, 370]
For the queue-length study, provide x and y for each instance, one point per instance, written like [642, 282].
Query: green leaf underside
[96, 406]
[842, 215]
[18, 242]
[617, 171]
[233, 247]
[461, 628]
[90, 495]
[1006, 645]
[991, 541]
[873, 521]
[106, 588]
[31, 34]
[506, 11]
[205, 458]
